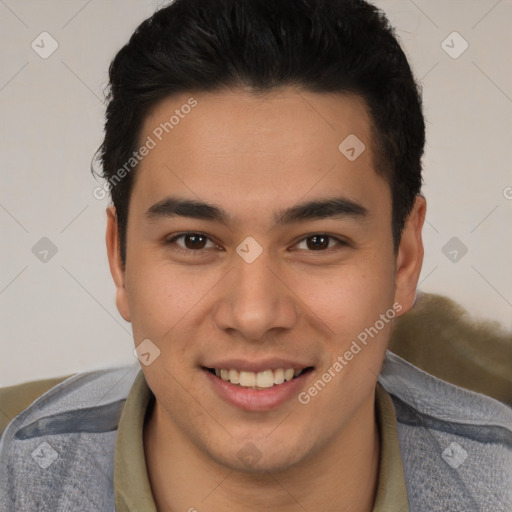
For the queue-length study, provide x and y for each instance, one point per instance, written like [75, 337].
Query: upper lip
[256, 366]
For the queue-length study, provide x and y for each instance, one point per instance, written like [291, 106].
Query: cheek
[166, 298]
[347, 298]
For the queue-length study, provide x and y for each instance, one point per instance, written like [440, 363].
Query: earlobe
[409, 258]
[117, 269]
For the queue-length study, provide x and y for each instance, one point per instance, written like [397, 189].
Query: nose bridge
[256, 301]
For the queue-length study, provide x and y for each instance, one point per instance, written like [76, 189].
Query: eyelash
[184, 250]
[198, 252]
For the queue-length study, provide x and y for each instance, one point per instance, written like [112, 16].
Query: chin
[254, 459]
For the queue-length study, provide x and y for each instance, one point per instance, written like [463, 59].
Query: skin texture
[253, 156]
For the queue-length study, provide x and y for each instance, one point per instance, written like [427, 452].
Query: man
[264, 162]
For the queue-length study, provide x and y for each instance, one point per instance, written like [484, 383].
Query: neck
[340, 476]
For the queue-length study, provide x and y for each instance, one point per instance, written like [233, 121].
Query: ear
[116, 266]
[409, 257]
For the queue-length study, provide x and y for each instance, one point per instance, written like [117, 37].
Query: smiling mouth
[258, 381]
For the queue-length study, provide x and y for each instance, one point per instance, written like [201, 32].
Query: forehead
[234, 144]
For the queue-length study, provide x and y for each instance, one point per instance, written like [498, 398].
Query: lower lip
[253, 400]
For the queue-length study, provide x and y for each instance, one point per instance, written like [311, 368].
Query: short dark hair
[325, 46]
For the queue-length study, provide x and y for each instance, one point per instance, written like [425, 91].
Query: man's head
[335, 46]
[262, 226]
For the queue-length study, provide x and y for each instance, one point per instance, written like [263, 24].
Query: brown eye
[192, 242]
[195, 241]
[317, 242]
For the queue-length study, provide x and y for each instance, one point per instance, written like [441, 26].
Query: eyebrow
[337, 207]
[172, 207]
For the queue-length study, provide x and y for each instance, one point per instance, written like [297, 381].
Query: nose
[256, 301]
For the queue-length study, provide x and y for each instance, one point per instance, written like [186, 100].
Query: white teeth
[265, 379]
[279, 376]
[260, 380]
[247, 379]
[234, 376]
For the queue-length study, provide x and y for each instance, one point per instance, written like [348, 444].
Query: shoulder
[14, 399]
[456, 445]
[37, 400]
[67, 434]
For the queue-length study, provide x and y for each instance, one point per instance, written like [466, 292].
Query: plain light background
[59, 317]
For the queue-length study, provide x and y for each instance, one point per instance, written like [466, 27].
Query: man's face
[264, 280]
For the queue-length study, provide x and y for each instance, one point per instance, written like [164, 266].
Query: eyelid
[340, 242]
[171, 240]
